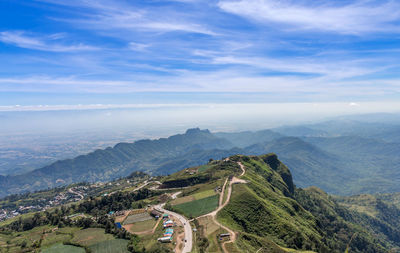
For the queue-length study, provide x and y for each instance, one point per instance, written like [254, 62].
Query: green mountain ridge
[119, 161]
[268, 206]
[270, 214]
[319, 155]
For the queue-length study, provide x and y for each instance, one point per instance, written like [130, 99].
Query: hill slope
[270, 208]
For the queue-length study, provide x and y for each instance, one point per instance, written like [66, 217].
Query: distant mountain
[375, 163]
[299, 131]
[171, 153]
[247, 138]
[342, 157]
[309, 164]
[349, 127]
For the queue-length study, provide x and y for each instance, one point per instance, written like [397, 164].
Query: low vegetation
[198, 207]
[267, 211]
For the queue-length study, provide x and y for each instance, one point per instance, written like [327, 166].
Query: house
[156, 214]
[168, 232]
[165, 239]
[221, 236]
[168, 224]
[165, 216]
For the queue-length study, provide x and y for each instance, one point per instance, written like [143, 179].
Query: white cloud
[355, 18]
[223, 81]
[353, 104]
[138, 46]
[21, 39]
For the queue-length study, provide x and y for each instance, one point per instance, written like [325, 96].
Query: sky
[86, 52]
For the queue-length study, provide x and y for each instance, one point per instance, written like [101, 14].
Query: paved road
[76, 193]
[186, 226]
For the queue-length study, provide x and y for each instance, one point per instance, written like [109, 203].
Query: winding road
[213, 214]
[76, 193]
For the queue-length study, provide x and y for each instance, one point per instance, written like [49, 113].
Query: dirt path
[221, 197]
[243, 169]
[213, 214]
[155, 227]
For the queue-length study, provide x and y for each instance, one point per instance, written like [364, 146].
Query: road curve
[188, 245]
[76, 193]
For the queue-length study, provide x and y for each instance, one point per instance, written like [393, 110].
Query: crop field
[137, 218]
[60, 248]
[55, 237]
[196, 196]
[143, 226]
[91, 236]
[204, 194]
[198, 207]
[183, 200]
[110, 246]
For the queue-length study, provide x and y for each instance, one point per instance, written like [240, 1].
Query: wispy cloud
[138, 46]
[354, 17]
[301, 48]
[46, 43]
[105, 15]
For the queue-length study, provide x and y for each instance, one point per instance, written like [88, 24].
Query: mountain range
[342, 157]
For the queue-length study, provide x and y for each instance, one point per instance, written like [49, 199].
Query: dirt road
[213, 214]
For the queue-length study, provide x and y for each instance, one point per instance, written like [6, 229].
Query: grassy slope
[266, 213]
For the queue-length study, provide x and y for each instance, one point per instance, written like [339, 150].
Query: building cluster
[169, 231]
[5, 214]
[72, 195]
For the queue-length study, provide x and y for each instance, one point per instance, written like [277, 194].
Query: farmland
[137, 218]
[60, 248]
[142, 226]
[198, 207]
[91, 236]
[110, 246]
[196, 196]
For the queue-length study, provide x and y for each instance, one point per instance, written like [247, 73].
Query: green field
[203, 168]
[204, 194]
[60, 248]
[143, 225]
[110, 246]
[198, 207]
[91, 236]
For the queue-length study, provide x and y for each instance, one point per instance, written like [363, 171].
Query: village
[43, 201]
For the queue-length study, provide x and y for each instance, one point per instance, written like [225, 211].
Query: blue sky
[198, 51]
